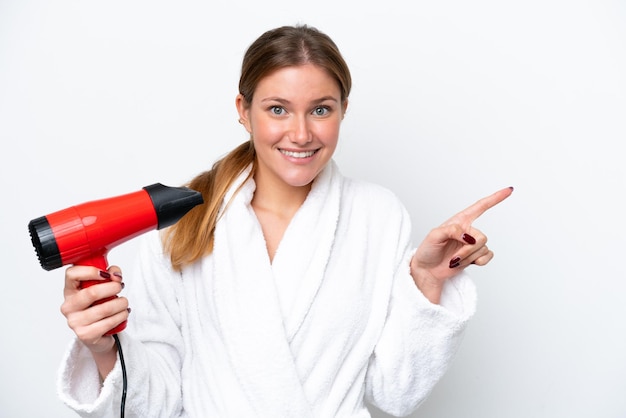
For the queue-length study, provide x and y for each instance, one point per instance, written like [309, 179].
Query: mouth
[298, 154]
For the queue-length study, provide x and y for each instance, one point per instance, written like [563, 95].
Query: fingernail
[123, 285]
[128, 309]
[512, 188]
[118, 274]
[455, 262]
[105, 274]
[469, 239]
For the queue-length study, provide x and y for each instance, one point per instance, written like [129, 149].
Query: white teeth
[301, 154]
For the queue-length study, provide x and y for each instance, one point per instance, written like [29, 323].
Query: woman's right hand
[89, 321]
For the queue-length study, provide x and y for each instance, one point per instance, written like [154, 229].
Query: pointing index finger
[471, 213]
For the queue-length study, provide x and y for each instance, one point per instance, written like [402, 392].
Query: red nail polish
[128, 309]
[105, 274]
[469, 239]
[455, 262]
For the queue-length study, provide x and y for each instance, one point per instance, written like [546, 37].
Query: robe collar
[261, 305]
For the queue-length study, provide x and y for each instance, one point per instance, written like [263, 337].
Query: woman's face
[294, 121]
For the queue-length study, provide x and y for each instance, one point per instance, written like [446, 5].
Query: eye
[321, 111]
[277, 110]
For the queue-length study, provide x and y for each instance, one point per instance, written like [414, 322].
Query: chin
[299, 182]
[301, 179]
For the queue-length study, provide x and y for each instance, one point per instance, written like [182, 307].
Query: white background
[452, 100]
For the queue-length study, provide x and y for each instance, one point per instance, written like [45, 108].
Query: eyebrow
[285, 101]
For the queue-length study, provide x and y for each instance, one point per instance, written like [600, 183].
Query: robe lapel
[303, 253]
[249, 313]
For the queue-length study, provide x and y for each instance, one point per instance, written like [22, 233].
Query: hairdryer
[84, 234]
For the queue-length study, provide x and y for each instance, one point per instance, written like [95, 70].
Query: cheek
[267, 132]
[329, 134]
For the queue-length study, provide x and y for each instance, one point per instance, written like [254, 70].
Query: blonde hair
[193, 237]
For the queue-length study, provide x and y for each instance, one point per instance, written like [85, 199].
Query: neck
[275, 204]
[278, 198]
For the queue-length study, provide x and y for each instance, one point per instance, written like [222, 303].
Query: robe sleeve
[418, 341]
[152, 347]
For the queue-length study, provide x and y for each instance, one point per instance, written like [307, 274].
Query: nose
[300, 132]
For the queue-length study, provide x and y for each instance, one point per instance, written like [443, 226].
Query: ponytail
[193, 236]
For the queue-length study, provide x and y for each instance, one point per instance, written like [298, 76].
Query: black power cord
[124, 380]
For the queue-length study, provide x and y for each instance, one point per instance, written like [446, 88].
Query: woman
[293, 291]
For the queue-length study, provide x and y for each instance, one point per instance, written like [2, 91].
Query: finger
[471, 213]
[76, 275]
[116, 273]
[454, 232]
[474, 245]
[84, 298]
[93, 333]
[97, 313]
[479, 256]
[484, 259]
[445, 233]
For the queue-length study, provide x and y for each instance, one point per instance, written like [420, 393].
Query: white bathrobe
[334, 322]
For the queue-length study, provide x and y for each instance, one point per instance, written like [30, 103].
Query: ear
[344, 108]
[243, 108]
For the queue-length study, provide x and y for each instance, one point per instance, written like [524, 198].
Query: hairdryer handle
[88, 283]
[101, 263]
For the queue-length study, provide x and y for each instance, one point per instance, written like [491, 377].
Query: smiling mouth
[298, 154]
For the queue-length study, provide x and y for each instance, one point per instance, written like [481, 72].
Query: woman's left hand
[453, 246]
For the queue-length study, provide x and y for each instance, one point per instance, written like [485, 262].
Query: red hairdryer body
[84, 234]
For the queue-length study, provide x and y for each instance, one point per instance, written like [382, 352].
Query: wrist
[105, 360]
[430, 287]
[102, 347]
